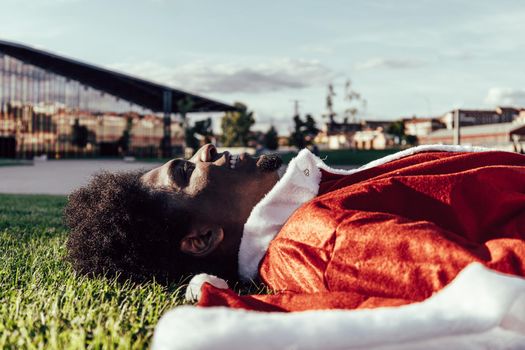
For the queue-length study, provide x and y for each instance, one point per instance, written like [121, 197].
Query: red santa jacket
[392, 233]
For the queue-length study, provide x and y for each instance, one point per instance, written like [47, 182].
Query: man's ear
[203, 240]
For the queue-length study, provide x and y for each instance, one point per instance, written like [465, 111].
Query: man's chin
[268, 163]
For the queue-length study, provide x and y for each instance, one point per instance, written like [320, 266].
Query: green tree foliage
[304, 131]
[310, 126]
[183, 106]
[270, 140]
[297, 137]
[203, 128]
[191, 140]
[236, 126]
[412, 140]
[397, 129]
[79, 134]
[330, 103]
[125, 139]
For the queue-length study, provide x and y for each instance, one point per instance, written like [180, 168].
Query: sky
[404, 58]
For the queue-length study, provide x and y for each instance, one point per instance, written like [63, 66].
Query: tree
[203, 128]
[184, 106]
[190, 139]
[412, 140]
[354, 99]
[79, 134]
[397, 129]
[297, 137]
[355, 103]
[236, 126]
[304, 131]
[330, 103]
[125, 139]
[310, 127]
[271, 141]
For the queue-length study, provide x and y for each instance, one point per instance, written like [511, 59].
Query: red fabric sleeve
[288, 301]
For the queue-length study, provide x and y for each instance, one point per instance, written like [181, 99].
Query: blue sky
[405, 57]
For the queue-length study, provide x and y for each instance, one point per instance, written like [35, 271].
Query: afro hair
[119, 227]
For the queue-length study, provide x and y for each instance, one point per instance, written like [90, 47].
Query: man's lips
[244, 160]
[239, 161]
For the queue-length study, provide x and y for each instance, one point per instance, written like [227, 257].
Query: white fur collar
[299, 184]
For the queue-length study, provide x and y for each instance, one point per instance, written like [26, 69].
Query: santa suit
[391, 233]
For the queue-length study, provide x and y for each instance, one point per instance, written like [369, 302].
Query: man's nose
[207, 153]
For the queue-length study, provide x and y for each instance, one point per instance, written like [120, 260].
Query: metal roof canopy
[139, 91]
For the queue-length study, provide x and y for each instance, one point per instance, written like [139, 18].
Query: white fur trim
[299, 184]
[193, 291]
[480, 309]
[405, 153]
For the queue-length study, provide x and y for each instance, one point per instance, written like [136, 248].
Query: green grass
[11, 162]
[346, 156]
[44, 305]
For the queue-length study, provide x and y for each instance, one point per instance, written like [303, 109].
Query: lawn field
[13, 162]
[44, 305]
[346, 156]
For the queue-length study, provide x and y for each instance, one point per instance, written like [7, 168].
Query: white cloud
[389, 63]
[203, 77]
[498, 96]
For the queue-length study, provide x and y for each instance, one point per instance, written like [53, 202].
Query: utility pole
[456, 123]
[166, 140]
[296, 107]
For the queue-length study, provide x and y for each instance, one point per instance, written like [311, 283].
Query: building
[334, 135]
[373, 139]
[469, 117]
[376, 124]
[59, 107]
[421, 127]
[504, 136]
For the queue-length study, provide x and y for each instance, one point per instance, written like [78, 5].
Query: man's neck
[299, 184]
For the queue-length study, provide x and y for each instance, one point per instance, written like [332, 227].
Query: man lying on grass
[390, 233]
[184, 217]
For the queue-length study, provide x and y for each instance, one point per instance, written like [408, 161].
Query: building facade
[373, 139]
[53, 106]
[365, 134]
[470, 117]
[503, 136]
[421, 127]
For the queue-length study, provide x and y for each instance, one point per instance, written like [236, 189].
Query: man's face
[213, 186]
